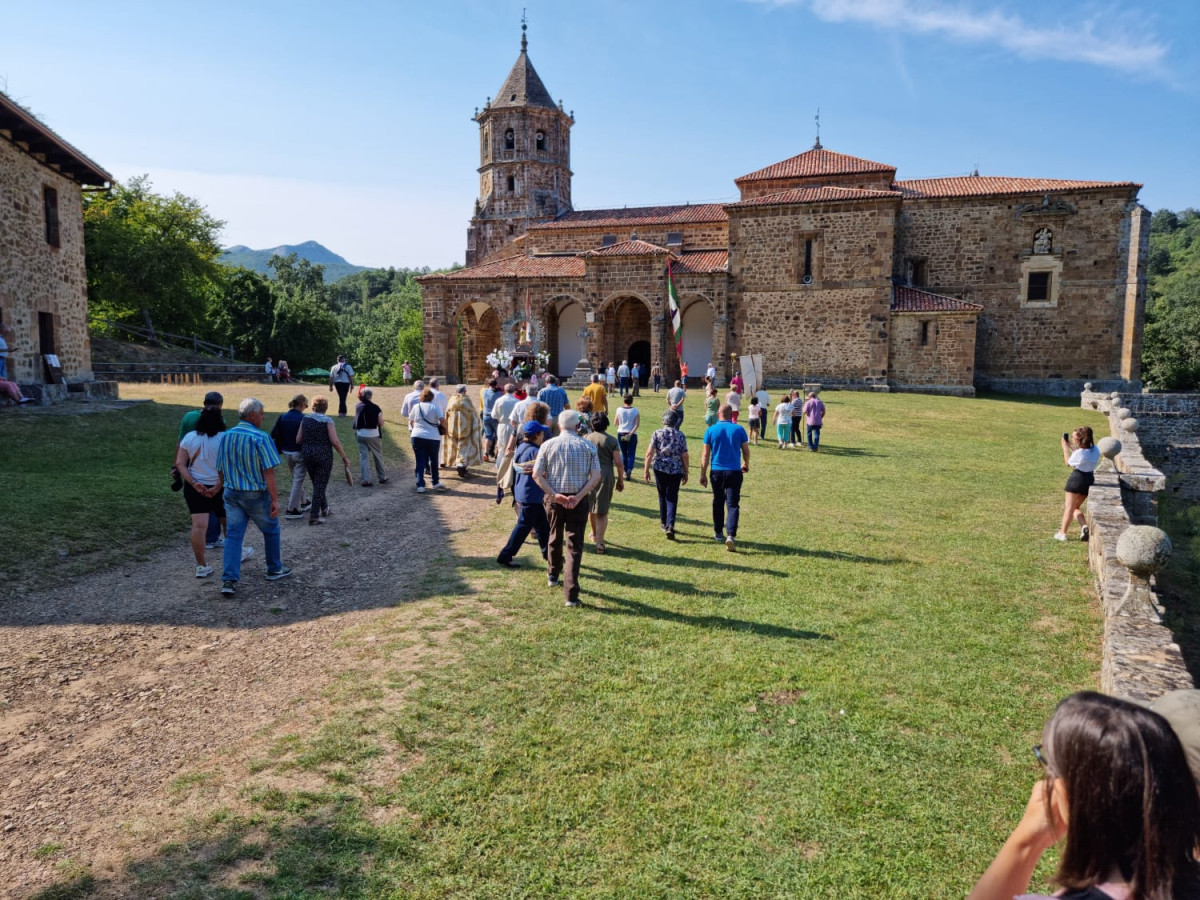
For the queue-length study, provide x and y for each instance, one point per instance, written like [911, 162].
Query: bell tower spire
[524, 159]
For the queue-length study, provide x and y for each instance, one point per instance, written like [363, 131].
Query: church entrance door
[639, 352]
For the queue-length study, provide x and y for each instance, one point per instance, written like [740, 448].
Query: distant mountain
[336, 267]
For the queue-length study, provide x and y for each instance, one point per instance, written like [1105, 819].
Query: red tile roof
[520, 267]
[637, 216]
[700, 262]
[984, 185]
[815, 195]
[910, 299]
[632, 247]
[815, 163]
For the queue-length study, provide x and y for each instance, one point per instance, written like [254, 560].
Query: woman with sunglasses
[1117, 786]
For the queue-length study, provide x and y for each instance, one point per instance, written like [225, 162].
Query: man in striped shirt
[246, 461]
[567, 468]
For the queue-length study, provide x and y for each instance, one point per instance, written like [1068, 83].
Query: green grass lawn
[843, 708]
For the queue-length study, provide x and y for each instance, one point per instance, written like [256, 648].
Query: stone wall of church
[981, 249]
[697, 236]
[932, 353]
[835, 329]
[36, 277]
[870, 181]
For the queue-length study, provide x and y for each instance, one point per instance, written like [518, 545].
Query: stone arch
[627, 330]
[476, 333]
[698, 323]
[565, 316]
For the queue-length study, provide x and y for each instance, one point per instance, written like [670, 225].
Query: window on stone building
[541, 140]
[674, 238]
[50, 205]
[918, 272]
[925, 333]
[512, 184]
[510, 140]
[807, 274]
[608, 240]
[1038, 289]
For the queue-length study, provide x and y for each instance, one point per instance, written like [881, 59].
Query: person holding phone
[1081, 454]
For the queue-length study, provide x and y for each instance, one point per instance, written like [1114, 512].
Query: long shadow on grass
[834, 450]
[661, 559]
[626, 607]
[649, 582]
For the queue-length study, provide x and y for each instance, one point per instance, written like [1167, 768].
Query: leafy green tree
[1171, 344]
[243, 316]
[150, 259]
[304, 331]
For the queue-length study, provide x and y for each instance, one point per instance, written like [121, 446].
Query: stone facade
[43, 281]
[827, 265]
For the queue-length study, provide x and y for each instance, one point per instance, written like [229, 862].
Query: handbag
[441, 429]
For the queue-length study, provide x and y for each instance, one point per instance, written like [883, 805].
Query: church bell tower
[524, 160]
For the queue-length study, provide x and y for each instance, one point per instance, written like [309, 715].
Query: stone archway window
[512, 184]
[541, 140]
[510, 140]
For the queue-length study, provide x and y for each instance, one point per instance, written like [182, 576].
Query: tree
[305, 331]
[1171, 344]
[150, 257]
[243, 316]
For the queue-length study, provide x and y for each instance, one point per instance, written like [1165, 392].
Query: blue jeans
[530, 517]
[489, 435]
[628, 444]
[727, 500]
[814, 437]
[240, 508]
[426, 451]
[213, 531]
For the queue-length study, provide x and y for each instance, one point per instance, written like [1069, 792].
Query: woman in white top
[423, 422]
[734, 399]
[1083, 462]
[196, 460]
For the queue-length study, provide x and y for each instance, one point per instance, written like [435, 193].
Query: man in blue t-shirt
[727, 449]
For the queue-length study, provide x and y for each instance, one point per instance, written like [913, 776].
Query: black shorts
[1079, 482]
[198, 504]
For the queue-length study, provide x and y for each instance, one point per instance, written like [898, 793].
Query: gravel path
[117, 683]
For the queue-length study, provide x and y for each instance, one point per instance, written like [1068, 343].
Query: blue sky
[350, 123]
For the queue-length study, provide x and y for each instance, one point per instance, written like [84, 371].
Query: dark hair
[1130, 795]
[492, 382]
[210, 421]
[1083, 437]
[600, 421]
[629, 399]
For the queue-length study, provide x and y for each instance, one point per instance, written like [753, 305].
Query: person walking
[711, 404]
[566, 468]
[675, 398]
[341, 379]
[610, 376]
[463, 446]
[583, 406]
[814, 415]
[783, 420]
[412, 398]
[284, 434]
[196, 461]
[710, 374]
[439, 398]
[635, 378]
[755, 417]
[656, 376]
[797, 436]
[628, 422]
[667, 456]
[1081, 454]
[764, 409]
[426, 424]
[623, 376]
[734, 401]
[318, 438]
[727, 452]
[555, 397]
[246, 461]
[213, 539]
[736, 383]
[488, 395]
[612, 475]
[502, 412]
[528, 497]
[596, 393]
[368, 431]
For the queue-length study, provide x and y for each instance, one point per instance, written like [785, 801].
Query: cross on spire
[524, 26]
[817, 143]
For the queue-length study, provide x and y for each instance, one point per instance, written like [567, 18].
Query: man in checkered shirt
[567, 468]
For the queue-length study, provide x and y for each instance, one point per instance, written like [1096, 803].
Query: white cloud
[1109, 43]
[368, 225]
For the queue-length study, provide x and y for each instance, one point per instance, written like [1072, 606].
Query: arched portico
[477, 333]
[565, 318]
[627, 332]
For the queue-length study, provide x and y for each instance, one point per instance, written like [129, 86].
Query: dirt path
[114, 685]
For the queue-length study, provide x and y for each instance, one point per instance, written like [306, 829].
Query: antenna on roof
[817, 143]
[975, 171]
[524, 25]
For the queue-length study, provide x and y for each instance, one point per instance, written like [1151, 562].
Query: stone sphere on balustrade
[1144, 549]
[1122, 413]
[1109, 447]
[1115, 395]
[1087, 386]
[1129, 425]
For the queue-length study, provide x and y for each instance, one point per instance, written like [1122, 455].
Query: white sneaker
[441, 486]
[215, 545]
[1059, 536]
[203, 571]
[247, 552]
[420, 488]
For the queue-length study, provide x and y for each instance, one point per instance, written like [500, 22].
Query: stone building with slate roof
[43, 282]
[827, 265]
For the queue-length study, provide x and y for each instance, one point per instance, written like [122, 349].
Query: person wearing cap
[341, 378]
[567, 469]
[727, 449]
[528, 495]
[212, 400]
[667, 456]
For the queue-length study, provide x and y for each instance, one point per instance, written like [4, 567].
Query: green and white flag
[673, 310]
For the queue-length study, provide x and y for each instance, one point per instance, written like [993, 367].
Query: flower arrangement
[542, 358]
[500, 359]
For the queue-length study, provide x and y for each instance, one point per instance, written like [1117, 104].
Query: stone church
[827, 265]
[43, 279]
